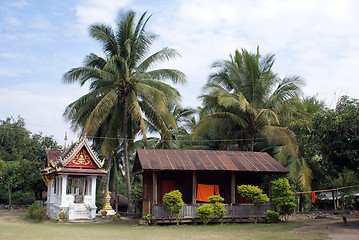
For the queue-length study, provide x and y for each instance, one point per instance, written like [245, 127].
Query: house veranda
[198, 174]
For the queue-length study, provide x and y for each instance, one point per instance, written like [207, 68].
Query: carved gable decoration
[82, 159]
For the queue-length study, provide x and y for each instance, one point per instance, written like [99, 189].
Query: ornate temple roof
[78, 159]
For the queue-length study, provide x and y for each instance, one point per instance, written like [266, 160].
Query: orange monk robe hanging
[204, 191]
[313, 196]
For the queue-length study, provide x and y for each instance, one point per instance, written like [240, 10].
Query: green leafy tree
[336, 134]
[124, 85]
[243, 98]
[22, 154]
[304, 170]
[283, 197]
[174, 202]
[252, 193]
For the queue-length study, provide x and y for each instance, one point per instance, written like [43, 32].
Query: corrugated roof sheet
[203, 160]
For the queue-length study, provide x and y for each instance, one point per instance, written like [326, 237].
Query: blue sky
[40, 40]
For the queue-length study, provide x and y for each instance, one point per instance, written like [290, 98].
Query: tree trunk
[9, 189]
[109, 164]
[115, 183]
[127, 167]
[7, 182]
[251, 142]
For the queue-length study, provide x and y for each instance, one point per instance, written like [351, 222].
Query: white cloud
[93, 11]
[41, 105]
[11, 21]
[314, 39]
[21, 4]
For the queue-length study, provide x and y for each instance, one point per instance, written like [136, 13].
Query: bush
[272, 216]
[283, 197]
[215, 198]
[252, 193]
[147, 217]
[208, 211]
[204, 212]
[37, 211]
[219, 211]
[100, 200]
[218, 207]
[173, 201]
[22, 198]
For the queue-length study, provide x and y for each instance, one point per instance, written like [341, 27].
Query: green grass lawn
[24, 229]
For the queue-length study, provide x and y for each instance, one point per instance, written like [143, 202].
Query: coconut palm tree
[172, 138]
[243, 98]
[125, 89]
[304, 166]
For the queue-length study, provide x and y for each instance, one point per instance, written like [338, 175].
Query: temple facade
[70, 176]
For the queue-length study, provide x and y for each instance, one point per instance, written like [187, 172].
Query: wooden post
[270, 187]
[154, 187]
[335, 205]
[194, 187]
[233, 188]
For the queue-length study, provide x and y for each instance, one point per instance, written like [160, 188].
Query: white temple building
[70, 175]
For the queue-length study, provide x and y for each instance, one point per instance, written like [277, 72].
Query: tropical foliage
[174, 202]
[283, 197]
[252, 193]
[124, 87]
[243, 98]
[245, 106]
[21, 154]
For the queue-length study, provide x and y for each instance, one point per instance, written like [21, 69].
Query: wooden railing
[233, 211]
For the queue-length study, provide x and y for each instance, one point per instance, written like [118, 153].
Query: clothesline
[327, 190]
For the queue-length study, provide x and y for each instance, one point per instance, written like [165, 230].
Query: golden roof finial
[65, 139]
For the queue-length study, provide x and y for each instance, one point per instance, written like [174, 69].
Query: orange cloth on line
[204, 191]
[216, 190]
[313, 196]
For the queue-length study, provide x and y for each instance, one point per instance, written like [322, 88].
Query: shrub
[219, 211]
[22, 198]
[147, 217]
[218, 207]
[215, 198]
[100, 200]
[37, 211]
[204, 212]
[173, 201]
[252, 193]
[283, 197]
[272, 216]
[209, 211]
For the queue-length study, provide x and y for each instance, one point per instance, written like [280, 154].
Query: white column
[93, 190]
[62, 189]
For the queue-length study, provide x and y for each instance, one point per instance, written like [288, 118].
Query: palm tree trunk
[251, 142]
[107, 187]
[127, 167]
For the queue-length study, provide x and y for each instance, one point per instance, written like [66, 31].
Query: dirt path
[334, 227]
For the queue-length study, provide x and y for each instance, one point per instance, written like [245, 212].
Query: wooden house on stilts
[198, 174]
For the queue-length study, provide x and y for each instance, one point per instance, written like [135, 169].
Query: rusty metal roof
[205, 160]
